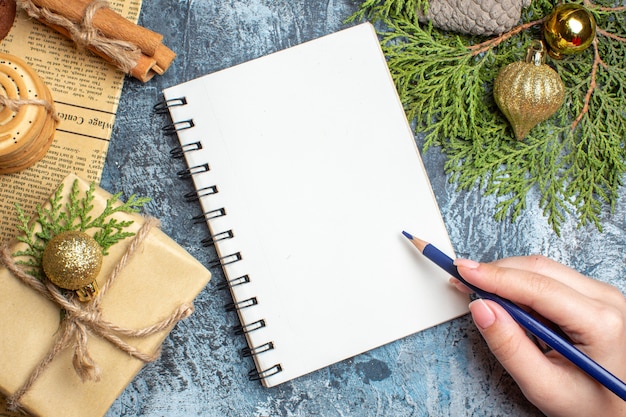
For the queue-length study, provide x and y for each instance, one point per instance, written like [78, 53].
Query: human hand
[591, 313]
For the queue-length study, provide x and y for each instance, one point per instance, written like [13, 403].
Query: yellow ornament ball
[568, 29]
[72, 260]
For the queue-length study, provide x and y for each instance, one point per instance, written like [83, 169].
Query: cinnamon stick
[144, 70]
[114, 26]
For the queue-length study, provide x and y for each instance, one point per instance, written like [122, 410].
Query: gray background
[443, 371]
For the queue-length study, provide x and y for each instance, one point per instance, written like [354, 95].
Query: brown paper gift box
[160, 277]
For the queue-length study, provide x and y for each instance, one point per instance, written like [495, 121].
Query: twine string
[81, 319]
[15, 104]
[85, 34]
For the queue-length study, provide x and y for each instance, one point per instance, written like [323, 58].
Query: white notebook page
[318, 173]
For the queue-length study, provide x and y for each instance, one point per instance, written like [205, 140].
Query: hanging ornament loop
[536, 53]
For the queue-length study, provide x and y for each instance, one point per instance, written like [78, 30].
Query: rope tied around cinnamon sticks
[84, 34]
[81, 319]
[14, 105]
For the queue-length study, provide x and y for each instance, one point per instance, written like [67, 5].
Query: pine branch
[76, 214]
[576, 159]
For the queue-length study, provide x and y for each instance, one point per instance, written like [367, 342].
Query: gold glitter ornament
[72, 260]
[568, 29]
[528, 92]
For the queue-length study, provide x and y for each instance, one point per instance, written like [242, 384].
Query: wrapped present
[63, 357]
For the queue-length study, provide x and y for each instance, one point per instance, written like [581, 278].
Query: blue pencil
[541, 331]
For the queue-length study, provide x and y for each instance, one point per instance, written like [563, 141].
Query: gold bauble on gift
[72, 260]
[528, 92]
[569, 29]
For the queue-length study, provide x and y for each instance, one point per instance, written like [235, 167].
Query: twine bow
[84, 34]
[80, 319]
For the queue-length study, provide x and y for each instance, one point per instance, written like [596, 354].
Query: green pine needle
[576, 159]
[75, 214]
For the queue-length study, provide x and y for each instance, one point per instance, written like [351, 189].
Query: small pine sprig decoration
[74, 215]
[576, 159]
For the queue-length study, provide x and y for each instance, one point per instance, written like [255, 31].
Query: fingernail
[459, 285]
[455, 282]
[466, 263]
[483, 316]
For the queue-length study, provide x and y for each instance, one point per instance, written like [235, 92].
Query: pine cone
[475, 17]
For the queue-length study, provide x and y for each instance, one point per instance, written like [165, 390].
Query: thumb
[510, 345]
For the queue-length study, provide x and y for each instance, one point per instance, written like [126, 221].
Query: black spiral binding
[255, 375]
[189, 172]
[247, 351]
[241, 329]
[213, 214]
[244, 279]
[203, 192]
[226, 260]
[162, 107]
[179, 152]
[211, 240]
[176, 127]
[240, 305]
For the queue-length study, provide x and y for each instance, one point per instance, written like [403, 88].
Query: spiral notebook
[307, 172]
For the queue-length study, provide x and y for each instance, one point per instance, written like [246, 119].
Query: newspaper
[86, 91]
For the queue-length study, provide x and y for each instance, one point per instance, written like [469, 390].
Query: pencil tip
[417, 242]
